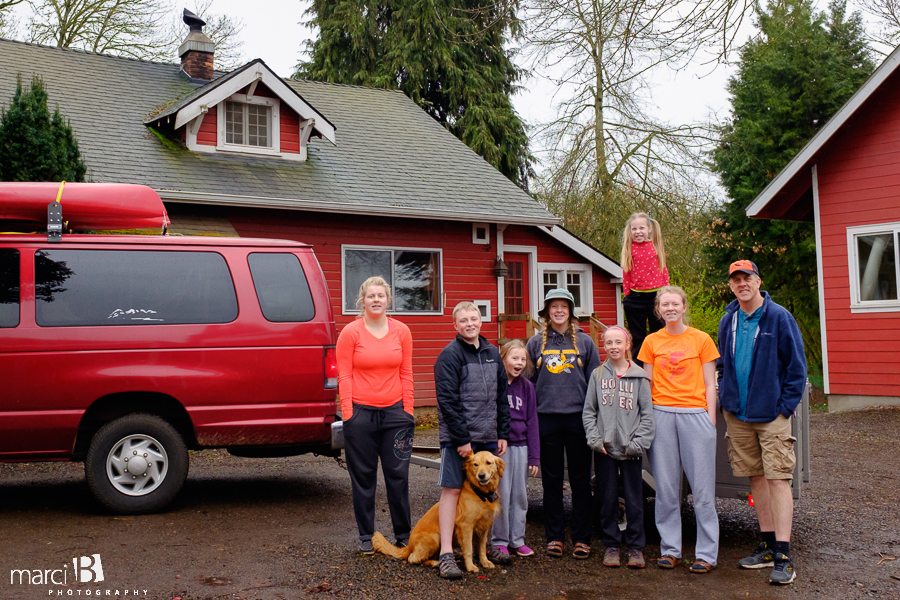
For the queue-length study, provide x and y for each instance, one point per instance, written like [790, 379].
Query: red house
[372, 181]
[847, 180]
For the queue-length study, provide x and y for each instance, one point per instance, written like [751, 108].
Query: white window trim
[487, 230]
[587, 287]
[486, 304]
[273, 103]
[441, 297]
[857, 306]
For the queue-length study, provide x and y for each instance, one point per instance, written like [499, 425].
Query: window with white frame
[574, 277]
[873, 261]
[414, 275]
[249, 124]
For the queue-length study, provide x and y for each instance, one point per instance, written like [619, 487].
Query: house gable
[251, 111]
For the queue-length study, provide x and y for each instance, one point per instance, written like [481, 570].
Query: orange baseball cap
[743, 266]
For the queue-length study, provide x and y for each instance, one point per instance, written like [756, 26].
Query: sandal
[666, 561]
[582, 551]
[555, 549]
[701, 566]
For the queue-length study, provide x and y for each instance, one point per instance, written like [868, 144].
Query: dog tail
[385, 547]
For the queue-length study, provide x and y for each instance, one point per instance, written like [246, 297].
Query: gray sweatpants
[685, 438]
[509, 525]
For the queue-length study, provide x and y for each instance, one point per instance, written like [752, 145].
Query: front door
[517, 284]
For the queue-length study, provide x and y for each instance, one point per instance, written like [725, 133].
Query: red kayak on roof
[85, 206]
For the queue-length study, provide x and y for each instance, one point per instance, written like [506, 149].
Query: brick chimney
[197, 50]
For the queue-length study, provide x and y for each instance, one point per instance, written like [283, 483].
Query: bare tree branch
[602, 53]
[134, 28]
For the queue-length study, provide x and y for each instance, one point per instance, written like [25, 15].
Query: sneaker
[636, 559]
[784, 572]
[761, 558]
[523, 551]
[401, 543]
[611, 557]
[447, 567]
[366, 547]
[498, 556]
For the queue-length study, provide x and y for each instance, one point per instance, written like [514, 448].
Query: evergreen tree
[803, 67]
[35, 145]
[448, 56]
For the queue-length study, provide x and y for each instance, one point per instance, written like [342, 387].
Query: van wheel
[136, 464]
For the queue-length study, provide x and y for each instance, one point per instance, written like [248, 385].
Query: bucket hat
[557, 294]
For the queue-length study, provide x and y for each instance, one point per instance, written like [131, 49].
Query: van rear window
[281, 287]
[9, 287]
[131, 287]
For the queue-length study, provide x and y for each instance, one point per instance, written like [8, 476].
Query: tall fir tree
[448, 56]
[35, 145]
[803, 67]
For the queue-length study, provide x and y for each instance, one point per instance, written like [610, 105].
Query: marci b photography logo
[86, 569]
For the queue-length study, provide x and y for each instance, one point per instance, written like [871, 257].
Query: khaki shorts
[760, 448]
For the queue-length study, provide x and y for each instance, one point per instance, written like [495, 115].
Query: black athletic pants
[564, 444]
[386, 433]
[642, 321]
[609, 473]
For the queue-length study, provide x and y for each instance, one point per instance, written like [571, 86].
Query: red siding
[859, 184]
[289, 130]
[208, 128]
[468, 269]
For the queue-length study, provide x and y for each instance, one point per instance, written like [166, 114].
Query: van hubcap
[137, 465]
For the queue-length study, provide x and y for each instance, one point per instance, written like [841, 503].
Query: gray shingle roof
[391, 158]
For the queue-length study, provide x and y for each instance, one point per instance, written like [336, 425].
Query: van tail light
[330, 368]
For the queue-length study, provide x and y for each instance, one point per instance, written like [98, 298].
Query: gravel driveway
[283, 529]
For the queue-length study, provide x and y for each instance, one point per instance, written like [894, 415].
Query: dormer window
[249, 111]
[250, 124]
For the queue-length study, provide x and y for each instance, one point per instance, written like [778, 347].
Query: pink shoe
[503, 549]
[523, 551]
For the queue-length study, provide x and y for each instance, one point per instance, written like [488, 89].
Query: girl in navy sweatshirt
[522, 455]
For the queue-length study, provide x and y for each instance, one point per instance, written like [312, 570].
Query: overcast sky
[272, 32]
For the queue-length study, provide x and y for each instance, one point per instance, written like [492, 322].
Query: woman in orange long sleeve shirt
[375, 383]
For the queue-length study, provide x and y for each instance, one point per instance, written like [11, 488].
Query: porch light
[500, 269]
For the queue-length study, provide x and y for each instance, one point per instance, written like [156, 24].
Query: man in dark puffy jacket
[762, 376]
[473, 415]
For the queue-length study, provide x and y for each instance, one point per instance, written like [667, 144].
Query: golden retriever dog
[475, 512]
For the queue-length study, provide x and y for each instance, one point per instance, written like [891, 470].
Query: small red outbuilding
[847, 180]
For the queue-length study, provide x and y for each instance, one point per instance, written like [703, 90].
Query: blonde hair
[513, 345]
[655, 238]
[627, 338]
[377, 280]
[673, 289]
[573, 334]
[464, 306]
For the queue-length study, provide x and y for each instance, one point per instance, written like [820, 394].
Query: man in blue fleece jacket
[762, 376]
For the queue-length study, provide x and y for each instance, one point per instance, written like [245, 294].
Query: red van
[125, 351]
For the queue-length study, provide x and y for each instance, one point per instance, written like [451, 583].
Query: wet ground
[283, 528]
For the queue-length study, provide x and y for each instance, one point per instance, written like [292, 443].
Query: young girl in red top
[375, 383]
[643, 273]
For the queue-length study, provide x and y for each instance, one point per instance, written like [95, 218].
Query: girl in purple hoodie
[522, 454]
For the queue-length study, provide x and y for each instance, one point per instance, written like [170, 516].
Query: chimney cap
[193, 21]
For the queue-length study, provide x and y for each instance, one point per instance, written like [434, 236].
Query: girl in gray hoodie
[619, 425]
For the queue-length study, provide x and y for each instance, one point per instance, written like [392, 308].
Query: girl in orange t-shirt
[680, 361]
[374, 355]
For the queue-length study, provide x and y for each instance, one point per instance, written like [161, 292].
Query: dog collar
[489, 497]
